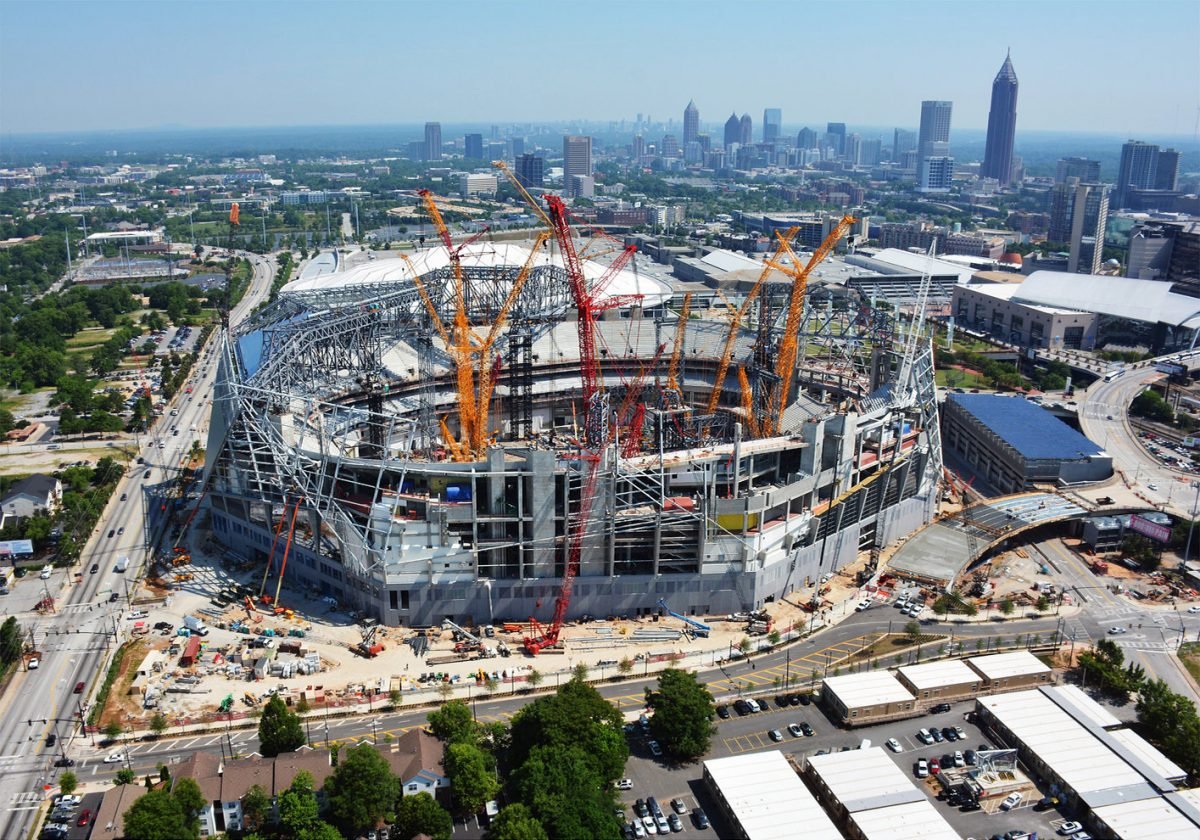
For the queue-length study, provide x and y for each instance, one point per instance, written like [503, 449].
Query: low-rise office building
[945, 681]
[866, 698]
[1010, 671]
[763, 798]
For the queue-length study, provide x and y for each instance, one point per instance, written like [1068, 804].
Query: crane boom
[701, 629]
[736, 321]
[747, 402]
[677, 348]
[789, 346]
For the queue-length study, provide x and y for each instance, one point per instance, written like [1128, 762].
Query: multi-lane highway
[73, 641]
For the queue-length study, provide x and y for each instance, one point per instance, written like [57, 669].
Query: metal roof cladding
[1034, 432]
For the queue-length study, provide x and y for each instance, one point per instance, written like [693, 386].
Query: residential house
[36, 494]
[418, 759]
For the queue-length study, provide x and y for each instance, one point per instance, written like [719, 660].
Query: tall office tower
[1082, 168]
[669, 147]
[933, 137]
[1138, 170]
[691, 123]
[853, 148]
[433, 141]
[1002, 126]
[733, 130]
[837, 134]
[772, 124]
[870, 152]
[638, 147]
[517, 144]
[902, 141]
[1166, 174]
[806, 139]
[495, 132]
[1089, 216]
[531, 171]
[746, 132]
[577, 160]
[473, 147]
[935, 174]
[1061, 203]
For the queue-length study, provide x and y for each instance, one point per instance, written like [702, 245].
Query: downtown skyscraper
[934, 164]
[691, 123]
[1002, 126]
[772, 124]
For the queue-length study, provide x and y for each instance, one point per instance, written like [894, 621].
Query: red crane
[588, 305]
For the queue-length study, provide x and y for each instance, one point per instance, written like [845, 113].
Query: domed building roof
[1012, 258]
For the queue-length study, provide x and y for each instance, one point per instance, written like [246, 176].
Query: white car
[959, 761]
[1011, 801]
[639, 830]
[1194, 609]
[863, 605]
[922, 768]
[625, 784]
[1070, 827]
[114, 758]
[1115, 631]
[894, 745]
[1152, 486]
[648, 825]
[34, 663]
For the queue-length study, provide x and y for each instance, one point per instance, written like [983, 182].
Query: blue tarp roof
[1032, 431]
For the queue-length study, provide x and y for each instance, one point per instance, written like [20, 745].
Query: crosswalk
[25, 801]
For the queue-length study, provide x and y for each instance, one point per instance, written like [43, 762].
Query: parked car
[922, 768]
[678, 805]
[655, 749]
[924, 737]
[674, 822]
[794, 728]
[1011, 801]
[894, 745]
[625, 784]
[807, 729]
[1070, 827]
[775, 735]
[939, 708]
[937, 735]
[64, 762]
[723, 712]
[700, 818]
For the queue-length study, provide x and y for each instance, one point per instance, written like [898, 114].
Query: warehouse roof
[863, 780]
[932, 675]
[1081, 707]
[1149, 301]
[870, 688]
[767, 798]
[1148, 819]
[904, 822]
[1088, 766]
[1034, 432]
[1143, 749]
[1002, 666]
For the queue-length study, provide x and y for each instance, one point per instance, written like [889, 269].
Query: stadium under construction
[492, 431]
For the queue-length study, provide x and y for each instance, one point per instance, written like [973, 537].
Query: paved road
[74, 641]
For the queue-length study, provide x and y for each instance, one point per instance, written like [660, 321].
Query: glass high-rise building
[1002, 126]
[1138, 170]
[837, 135]
[1084, 169]
[433, 141]
[691, 123]
[772, 124]
[733, 130]
[531, 171]
[577, 161]
[473, 147]
[746, 134]
[934, 164]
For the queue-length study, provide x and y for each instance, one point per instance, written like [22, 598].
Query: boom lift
[698, 627]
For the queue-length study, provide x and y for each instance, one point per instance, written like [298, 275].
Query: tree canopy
[576, 716]
[362, 790]
[452, 722]
[472, 774]
[158, 816]
[683, 712]
[514, 822]
[1171, 721]
[421, 814]
[298, 810]
[565, 794]
[279, 729]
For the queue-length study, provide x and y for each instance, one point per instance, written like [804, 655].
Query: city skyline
[233, 86]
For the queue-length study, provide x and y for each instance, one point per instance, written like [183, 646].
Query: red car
[935, 767]
[85, 817]
[79, 687]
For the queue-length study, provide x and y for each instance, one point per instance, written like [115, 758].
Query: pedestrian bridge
[945, 548]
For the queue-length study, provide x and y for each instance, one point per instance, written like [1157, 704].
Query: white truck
[195, 625]
[122, 563]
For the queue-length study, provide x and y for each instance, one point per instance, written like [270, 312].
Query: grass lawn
[953, 378]
[90, 337]
[1189, 654]
[887, 645]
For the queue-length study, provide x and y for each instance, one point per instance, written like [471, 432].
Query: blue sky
[1083, 66]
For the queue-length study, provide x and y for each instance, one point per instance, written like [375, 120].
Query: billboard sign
[1146, 528]
[11, 547]
[1171, 368]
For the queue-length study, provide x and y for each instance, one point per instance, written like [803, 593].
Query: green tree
[515, 822]
[913, 630]
[10, 641]
[534, 678]
[421, 814]
[158, 816]
[774, 638]
[452, 722]
[158, 724]
[1171, 720]
[279, 729]
[68, 781]
[1043, 604]
[1007, 607]
[575, 716]
[187, 793]
[472, 776]
[625, 666]
[561, 788]
[7, 421]
[256, 805]
[125, 776]
[362, 790]
[683, 713]
[112, 730]
[580, 672]
[320, 830]
[298, 808]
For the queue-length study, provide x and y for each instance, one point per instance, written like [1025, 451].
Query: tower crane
[916, 327]
[677, 348]
[789, 345]
[736, 321]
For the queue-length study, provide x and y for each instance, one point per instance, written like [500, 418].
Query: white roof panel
[1148, 753]
[864, 780]
[868, 689]
[920, 263]
[1077, 699]
[932, 675]
[1148, 819]
[1074, 754]
[768, 798]
[1000, 666]
[1150, 301]
[909, 821]
[729, 260]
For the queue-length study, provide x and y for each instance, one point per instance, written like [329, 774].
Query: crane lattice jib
[735, 324]
[677, 349]
[432, 209]
[747, 402]
[789, 347]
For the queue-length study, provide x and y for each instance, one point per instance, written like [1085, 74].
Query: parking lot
[750, 733]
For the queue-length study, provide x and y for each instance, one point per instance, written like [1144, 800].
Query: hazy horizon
[118, 65]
